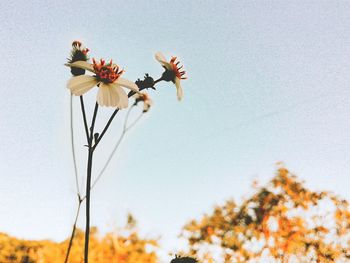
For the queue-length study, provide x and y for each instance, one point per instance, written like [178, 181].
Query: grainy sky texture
[267, 81]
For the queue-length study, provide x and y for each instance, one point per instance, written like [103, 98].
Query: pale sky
[268, 81]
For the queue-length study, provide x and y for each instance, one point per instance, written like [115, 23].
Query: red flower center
[107, 73]
[177, 70]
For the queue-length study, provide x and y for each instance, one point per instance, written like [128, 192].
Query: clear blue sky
[268, 81]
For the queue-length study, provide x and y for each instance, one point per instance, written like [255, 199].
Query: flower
[78, 53]
[145, 98]
[172, 72]
[107, 79]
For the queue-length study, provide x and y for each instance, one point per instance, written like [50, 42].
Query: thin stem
[108, 160]
[84, 117]
[89, 165]
[87, 227]
[158, 80]
[93, 123]
[73, 231]
[125, 130]
[88, 186]
[72, 145]
[106, 127]
[127, 117]
[89, 168]
[134, 122]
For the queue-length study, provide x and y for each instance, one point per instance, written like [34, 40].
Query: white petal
[127, 84]
[160, 57]
[107, 96]
[179, 90]
[82, 65]
[81, 84]
[123, 98]
[102, 94]
[162, 60]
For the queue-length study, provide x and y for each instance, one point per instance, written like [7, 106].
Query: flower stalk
[88, 185]
[126, 128]
[73, 230]
[107, 78]
[84, 117]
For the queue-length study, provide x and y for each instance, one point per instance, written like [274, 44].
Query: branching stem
[91, 148]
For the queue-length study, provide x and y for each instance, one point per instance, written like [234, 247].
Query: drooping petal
[179, 90]
[107, 96]
[82, 65]
[123, 98]
[81, 84]
[127, 84]
[162, 60]
[102, 95]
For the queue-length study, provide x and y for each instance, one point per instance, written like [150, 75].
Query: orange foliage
[282, 222]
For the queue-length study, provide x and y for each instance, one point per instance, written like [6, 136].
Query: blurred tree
[123, 246]
[282, 222]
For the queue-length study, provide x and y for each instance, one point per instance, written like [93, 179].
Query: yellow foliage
[112, 247]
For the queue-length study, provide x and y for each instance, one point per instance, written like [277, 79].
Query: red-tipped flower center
[77, 46]
[177, 69]
[107, 73]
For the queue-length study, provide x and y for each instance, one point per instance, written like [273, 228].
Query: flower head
[78, 53]
[107, 73]
[107, 78]
[145, 98]
[173, 72]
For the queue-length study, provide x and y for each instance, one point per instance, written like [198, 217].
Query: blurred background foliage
[282, 221]
[123, 246]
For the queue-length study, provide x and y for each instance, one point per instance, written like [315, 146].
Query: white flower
[173, 72]
[145, 98]
[107, 79]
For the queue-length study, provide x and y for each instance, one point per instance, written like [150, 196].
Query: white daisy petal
[179, 90]
[81, 84]
[82, 65]
[127, 84]
[162, 60]
[115, 98]
[107, 96]
[123, 98]
[102, 95]
[160, 57]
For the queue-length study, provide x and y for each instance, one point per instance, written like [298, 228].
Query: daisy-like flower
[145, 98]
[173, 72]
[78, 53]
[107, 79]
